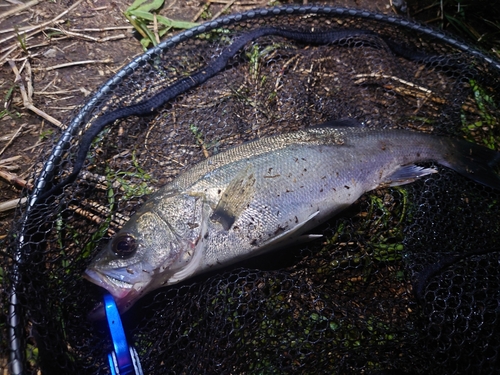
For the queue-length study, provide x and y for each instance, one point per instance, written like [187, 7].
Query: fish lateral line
[256, 215]
[151, 105]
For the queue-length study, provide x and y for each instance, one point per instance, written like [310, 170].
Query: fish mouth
[118, 288]
[125, 293]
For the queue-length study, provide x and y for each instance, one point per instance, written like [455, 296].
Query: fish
[268, 193]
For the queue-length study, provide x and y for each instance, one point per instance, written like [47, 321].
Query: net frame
[16, 317]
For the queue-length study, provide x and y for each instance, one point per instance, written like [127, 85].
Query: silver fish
[265, 193]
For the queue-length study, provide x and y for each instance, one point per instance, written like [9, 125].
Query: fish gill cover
[405, 280]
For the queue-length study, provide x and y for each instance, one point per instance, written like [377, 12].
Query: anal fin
[407, 174]
[289, 234]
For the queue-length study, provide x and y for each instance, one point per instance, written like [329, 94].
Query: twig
[10, 160]
[37, 144]
[19, 59]
[15, 180]
[155, 28]
[411, 89]
[87, 37]
[87, 214]
[424, 8]
[204, 8]
[106, 61]
[12, 139]
[226, 7]
[29, 83]
[60, 92]
[9, 51]
[67, 108]
[38, 28]
[20, 8]
[51, 83]
[90, 30]
[241, 3]
[11, 204]
[8, 137]
[24, 28]
[16, 44]
[11, 167]
[117, 221]
[27, 100]
[33, 46]
[362, 79]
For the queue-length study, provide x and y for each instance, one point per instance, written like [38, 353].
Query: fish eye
[124, 245]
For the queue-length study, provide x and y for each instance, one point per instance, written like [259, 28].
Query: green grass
[485, 129]
[475, 20]
[142, 14]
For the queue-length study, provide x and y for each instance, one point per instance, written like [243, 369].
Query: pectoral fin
[238, 194]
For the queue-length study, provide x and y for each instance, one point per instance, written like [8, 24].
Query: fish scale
[265, 194]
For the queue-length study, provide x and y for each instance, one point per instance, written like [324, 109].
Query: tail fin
[473, 161]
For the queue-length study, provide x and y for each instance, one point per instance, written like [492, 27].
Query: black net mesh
[407, 280]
